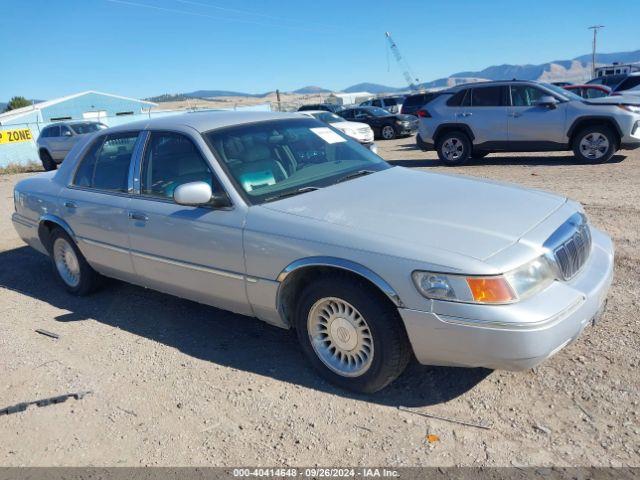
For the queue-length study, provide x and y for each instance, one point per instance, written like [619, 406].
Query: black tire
[479, 154]
[421, 144]
[388, 132]
[89, 279]
[597, 154]
[47, 162]
[391, 350]
[460, 142]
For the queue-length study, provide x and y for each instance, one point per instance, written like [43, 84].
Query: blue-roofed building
[80, 106]
[19, 128]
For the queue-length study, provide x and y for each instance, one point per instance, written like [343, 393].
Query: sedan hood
[470, 217]
[351, 125]
[615, 100]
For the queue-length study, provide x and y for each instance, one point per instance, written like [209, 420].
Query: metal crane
[411, 79]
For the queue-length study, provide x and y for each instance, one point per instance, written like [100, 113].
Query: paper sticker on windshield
[328, 135]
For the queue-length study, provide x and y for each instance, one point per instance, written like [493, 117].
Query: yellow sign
[14, 136]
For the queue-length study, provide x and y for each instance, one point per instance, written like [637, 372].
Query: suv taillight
[422, 113]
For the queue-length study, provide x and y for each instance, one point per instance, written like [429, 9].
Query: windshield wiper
[291, 193]
[358, 173]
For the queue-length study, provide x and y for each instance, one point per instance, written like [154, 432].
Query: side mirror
[547, 101]
[66, 133]
[193, 194]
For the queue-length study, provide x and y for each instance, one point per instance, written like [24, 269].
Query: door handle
[465, 114]
[515, 114]
[138, 216]
[70, 204]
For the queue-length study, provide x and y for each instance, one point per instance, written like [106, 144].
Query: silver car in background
[56, 140]
[361, 132]
[285, 219]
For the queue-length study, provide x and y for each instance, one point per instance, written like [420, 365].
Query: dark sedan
[384, 124]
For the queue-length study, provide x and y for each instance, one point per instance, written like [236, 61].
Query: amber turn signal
[490, 290]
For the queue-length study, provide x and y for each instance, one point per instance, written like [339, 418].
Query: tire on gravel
[47, 162]
[454, 148]
[391, 349]
[603, 141]
[88, 280]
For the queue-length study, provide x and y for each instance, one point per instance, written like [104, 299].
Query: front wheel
[388, 132]
[47, 161]
[453, 148]
[351, 335]
[595, 144]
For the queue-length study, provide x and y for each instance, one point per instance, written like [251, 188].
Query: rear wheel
[47, 161]
[454, 148]
[70, 266]
[388, 132]
[351, 335]
[595, 144]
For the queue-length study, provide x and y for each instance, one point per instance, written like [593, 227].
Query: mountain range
[577, 69]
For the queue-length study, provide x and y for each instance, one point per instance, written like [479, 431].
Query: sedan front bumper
[516, 336]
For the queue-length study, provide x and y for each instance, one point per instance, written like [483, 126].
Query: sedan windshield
[82, 128]
[328, 117]
[276, 159]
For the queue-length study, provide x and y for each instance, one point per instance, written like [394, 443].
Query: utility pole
[595, 29]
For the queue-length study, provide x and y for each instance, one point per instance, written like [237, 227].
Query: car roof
[204, 121]
[311, 112]
[489, 83]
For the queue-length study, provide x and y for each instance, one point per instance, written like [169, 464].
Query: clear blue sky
[53, 48]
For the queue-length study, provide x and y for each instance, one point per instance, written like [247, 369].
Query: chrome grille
[571, 254]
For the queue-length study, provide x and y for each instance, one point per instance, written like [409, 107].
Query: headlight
[630, 108]
[495, 289]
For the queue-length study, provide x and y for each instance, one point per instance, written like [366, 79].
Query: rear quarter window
[462, 98]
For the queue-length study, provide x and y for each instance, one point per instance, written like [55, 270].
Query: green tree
[17, 102]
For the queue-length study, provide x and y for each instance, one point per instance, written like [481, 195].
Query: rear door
[533, 126]
[96, 204]
[54, 142]
[484, 110]
[191, 252]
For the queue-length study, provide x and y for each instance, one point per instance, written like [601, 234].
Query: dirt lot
[177, 383]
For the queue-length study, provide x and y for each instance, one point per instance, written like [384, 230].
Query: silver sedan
[288, 220]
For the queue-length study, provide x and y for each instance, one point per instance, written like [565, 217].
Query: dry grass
[12, 168]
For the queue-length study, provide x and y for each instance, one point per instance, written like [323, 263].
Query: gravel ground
[176, 383]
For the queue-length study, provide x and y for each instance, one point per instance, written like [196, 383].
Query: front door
[96, 204]
[191, 252]
[532, 126]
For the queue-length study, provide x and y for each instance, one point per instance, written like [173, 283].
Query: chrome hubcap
[66, 262]
[340, 336]
[452, 149]
[594, 145]
[387, 132]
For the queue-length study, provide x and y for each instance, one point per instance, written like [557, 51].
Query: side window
[346, 114]
[593, 93]
[106, 165]
[170, 160]
[54, 131]
[45, 133]
[376, 103]
[360, 114]
[487, 97]
[460, 99]
[526, 96]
